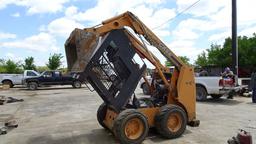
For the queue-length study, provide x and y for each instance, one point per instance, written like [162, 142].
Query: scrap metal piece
[4, 100]
[3, 130]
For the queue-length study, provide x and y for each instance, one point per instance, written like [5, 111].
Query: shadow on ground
[97, 136]
[157, 138]
[51, 88]
[221, 101]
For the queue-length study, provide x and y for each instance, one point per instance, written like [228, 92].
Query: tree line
[221, 55]
[10, 66]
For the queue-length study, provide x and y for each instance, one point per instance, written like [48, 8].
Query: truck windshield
[32, 73]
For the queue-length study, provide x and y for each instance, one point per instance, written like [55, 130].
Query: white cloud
[70, 11]
[213, 18]
[202, 8]
[63, 26]
[13, 57]
[106, 9]
[185, 48]
[7, 36]
[36, 6]
[248, 31]
[42, 42]
[219, 37]
[5, 3]
[185, 34]
[15, 14]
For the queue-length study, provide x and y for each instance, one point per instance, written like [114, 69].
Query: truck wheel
[32, 85]
[76, 84]
[171, 121]
[9, 83]
[131, 126]
[101, 113]
[201, 94]
[216, 96]
[145, 89]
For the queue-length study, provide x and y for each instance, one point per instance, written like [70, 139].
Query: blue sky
[39, 28]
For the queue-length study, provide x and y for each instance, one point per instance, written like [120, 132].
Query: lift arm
[130, 20]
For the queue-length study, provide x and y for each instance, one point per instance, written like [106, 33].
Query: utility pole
[234, 39]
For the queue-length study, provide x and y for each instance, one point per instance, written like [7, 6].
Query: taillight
[221, 82]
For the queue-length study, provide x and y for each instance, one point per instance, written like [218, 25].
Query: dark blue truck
[53, 78]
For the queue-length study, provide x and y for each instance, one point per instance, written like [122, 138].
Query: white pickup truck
[16, 79]
[215, 86]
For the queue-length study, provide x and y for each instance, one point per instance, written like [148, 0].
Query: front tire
[201, 93]
[171, 121]
[32, 85]
[101, 113]
[131, 126]
[77, 84]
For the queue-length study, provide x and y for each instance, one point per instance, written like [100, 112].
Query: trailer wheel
[145, 89]
[131, 126]
[171, 121]
[76, 84]
[101, 113]
[8, 82]
[32, 85]
[201, 94]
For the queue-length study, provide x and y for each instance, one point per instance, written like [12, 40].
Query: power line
[180, 13]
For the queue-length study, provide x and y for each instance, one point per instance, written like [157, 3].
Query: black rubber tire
[145, 89]
[8, 82]
[161, 121]
[32, 86]
[77, 84]
[120, 122]
[101, 113]
[216, 96]
[201, 93]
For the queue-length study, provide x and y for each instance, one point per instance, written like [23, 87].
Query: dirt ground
[62, 115]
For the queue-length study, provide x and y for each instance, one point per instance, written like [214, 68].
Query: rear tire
[101, 113]
[145, 89]
[131, 126]
[32, 85]
[9, 83]
[201, 93]
[171, 121]
[77, 84]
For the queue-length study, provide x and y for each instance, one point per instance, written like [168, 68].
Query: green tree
[201, 59]
[2, 66]
[12, 67]
[29, 64]
[221, 56]
[54, 61]
[42, 68]
[185, 59]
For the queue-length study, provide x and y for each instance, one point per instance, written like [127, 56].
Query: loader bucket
[80, 48]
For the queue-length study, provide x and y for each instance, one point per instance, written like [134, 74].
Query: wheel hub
[134, 128]
[174, 122]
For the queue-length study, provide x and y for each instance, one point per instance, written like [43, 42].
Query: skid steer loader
[107, 55]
